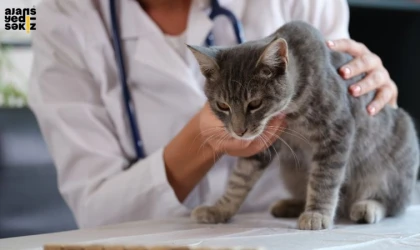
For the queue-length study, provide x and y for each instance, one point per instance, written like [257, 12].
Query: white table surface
[252, 230]
[249, 230]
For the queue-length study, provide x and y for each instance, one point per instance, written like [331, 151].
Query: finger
[359, 65]
[382, 97]
[349, 46]
[371, 82]
[394, 98]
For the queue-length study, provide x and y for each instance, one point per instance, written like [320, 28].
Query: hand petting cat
[377, 77]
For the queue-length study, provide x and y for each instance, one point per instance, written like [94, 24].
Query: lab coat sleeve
[331, 17]
[81, 138]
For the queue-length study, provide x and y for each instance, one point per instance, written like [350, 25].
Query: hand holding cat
[215, 135]
[377, 77]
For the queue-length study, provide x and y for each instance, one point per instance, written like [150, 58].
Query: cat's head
[247, 84]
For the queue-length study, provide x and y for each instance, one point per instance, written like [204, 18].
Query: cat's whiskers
[211, 129]
[207, 131]
[265, 141]
[204, 143]
[207, 139]
[220, 141]
[292, 132]
[275, 150]
[219, 130]
[293, 152]
[221, 150]
[297, 162]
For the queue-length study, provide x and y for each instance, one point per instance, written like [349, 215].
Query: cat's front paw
[314, 221]
[210, 215]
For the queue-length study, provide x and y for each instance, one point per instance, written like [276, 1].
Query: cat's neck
[314, 83]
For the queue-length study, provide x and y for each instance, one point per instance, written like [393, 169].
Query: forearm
[187, 159]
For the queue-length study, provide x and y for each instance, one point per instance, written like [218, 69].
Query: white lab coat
[76, 96]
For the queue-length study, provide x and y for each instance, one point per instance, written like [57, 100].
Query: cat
[345, 162]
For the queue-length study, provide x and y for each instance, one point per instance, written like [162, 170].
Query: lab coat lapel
[199, 26]
[199, 23]
[153, 51]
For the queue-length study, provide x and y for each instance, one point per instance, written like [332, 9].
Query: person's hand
[377, 77]
[215, 135]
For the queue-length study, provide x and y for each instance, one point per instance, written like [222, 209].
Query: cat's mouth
[261, 132]
[248, 135]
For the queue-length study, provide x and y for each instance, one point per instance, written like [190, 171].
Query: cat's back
[300, 32]
[305, 42]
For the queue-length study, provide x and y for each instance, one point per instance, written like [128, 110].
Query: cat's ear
[275, 54]
[206, 58]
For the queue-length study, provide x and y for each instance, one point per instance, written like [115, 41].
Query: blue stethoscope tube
[216, 11]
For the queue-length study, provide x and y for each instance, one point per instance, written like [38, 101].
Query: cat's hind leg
[364, 199]
[367, 211]
[244, 176]
[380, 196]
[386, 193]
[290, 208]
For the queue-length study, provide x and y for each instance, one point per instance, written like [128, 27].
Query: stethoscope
[216, 11]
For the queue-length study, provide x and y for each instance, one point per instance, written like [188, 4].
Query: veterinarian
[145, 149]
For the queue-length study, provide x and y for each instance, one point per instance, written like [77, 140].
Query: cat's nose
[240, 132]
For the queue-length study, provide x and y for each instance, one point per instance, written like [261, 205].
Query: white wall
[20, 57]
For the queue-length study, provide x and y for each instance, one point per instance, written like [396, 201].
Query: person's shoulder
[311, 7]
[66, 8]
[310, 3]
[330, 17]
[52, 14]
[67, 22]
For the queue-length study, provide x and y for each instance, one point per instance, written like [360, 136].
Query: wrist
[188, 157]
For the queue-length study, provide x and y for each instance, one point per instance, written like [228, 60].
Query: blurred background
[29, 200]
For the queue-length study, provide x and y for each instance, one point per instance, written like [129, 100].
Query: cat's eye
[223, 106]
[255, 104]
[266, 73]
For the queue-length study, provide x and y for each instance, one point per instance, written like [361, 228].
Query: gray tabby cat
[350, 163]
